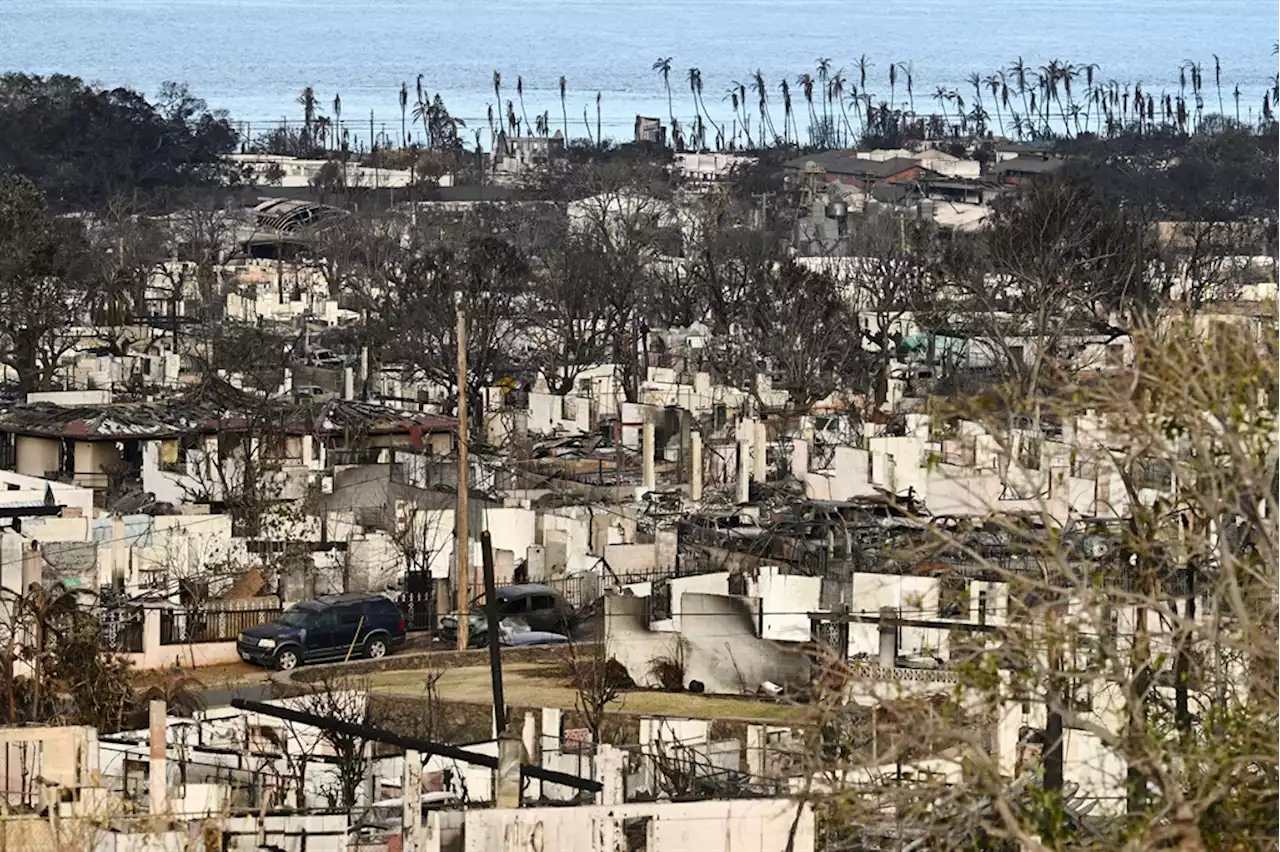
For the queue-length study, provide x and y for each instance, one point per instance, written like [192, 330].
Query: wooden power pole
[461, 532]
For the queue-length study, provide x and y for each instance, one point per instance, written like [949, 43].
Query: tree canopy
[81, 144]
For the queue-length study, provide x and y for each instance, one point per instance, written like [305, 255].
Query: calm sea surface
[252, 57]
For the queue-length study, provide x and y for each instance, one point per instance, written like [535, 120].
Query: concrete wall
[550, 414]
[743, 825]
[511, 528]
[17, 488]
[65, 755]
[847, 478]
[188, 656]
[92, 458]
[718, 642]
[36, 456]
[72, 397]
[785, 601]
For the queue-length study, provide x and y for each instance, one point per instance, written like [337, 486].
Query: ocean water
[253, 57]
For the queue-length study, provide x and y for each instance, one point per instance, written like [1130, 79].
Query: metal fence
[122, 630]
[579, 591]
[417, 601]
[179, 627]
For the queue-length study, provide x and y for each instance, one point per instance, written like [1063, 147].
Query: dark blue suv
[333, 627]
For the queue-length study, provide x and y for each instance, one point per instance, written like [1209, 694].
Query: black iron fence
[122, 630]
[178, 627]
[579, 591]
[417, 601]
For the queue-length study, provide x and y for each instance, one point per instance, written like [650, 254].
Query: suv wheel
[287, 660]
[375, 648]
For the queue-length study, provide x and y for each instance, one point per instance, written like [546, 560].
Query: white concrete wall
[719, 644]
[848, 477]
[785, 601]
[697, 584]
[72, 397]
[18, 488]
[553, 414]
[738, 825]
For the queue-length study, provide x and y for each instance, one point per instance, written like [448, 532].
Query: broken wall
[718, 644]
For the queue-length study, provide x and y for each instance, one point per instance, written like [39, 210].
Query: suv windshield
[297, 617]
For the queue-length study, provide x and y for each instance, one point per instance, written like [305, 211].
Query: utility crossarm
[424, 746]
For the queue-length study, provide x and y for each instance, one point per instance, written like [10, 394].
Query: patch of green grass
[543, 685]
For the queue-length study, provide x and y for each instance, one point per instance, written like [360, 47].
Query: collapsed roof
[215, 406]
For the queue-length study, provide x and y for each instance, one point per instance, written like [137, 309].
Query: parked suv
[333, 627]
[541, 608]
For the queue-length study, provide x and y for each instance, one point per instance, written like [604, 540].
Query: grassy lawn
[543, 685]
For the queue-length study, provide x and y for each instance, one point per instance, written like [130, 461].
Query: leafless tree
[598, 686]
[125, 249]
[345, 700]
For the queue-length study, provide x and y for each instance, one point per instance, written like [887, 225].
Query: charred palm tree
[995, 83]
[497, 88]
[695, 86]
[762, 95]
[663, 67]
[422, 113]
[1018, 70]
[805, 82]
[737, 102]
[694, 76]
[599, 131]
[864, 67]
[520, 97]
[975, 80]
[942, 96]
[788, 118]
[564, 110]
[1217, 82]
[911, 89]
[837, 95]
[337, 117]
[310, 107]
[1236, 94]
[824, 74]
[1197, 84]
[893, 83]
[404, 115]
[731, 95]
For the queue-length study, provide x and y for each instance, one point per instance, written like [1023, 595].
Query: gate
[418, 601]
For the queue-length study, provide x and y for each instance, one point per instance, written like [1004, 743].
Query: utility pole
[461, 533]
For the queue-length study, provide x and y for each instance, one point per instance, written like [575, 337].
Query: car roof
[349, 597]
[520, 590]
